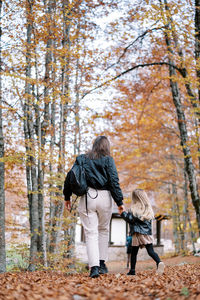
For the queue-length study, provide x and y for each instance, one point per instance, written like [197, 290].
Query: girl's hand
[121, 208]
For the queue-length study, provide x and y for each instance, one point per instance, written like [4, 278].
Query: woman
[95, 209]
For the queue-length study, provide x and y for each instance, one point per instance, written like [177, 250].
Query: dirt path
[120, 267]
[180, 281]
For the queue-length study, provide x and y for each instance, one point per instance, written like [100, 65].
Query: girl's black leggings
[150, 251]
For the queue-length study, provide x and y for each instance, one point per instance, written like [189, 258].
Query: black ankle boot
[94, 272]
[131, 272]
[103, 269]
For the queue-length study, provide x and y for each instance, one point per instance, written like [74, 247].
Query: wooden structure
[159, 218]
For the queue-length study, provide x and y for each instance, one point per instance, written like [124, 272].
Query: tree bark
[175, 219]
[186, 215]
[2, 172]
[184, 143]
[197, 57]
[52, 143]
[59, 205]
[77, 99]
[42, 131]
[176, 96]
[30, 146]
[195, 102]
[197, 43]
[41, 243]
[71, 230]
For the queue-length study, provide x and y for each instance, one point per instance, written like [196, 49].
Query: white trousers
[96, 224]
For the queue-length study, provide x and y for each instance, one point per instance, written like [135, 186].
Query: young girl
[140, 217]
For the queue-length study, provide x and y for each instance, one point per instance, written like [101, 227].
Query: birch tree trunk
[42, 127]
[58, 212]
[182, 125]
[195, 102]
[52, 146]
[2, 172]
[186, 212]
[71, 230]
[175, 219]
[30, 145]
[77, 99]
[179, 208]
[197, 57]
[184, 141]
[197, 44]
[41, 247]
[181, 233]
[51, 72]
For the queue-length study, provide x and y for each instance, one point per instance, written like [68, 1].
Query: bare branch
[138, 38]
[11, 107]
[129, 70]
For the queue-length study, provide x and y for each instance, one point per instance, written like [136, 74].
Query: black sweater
[101, 174]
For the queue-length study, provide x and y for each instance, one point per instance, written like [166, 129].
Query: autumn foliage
[73, 69]
[178, 282]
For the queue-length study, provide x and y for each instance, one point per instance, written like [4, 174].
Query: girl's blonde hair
[141, 206]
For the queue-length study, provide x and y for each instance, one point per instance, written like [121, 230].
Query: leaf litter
[177, 282]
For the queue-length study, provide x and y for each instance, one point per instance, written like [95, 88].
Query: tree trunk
[2, 173]
[30, 146]
[41, 243]
[197, 57]
[51, 185]
[191, 94]
[42, 127]
[50, 107]
[197, 42]
[175, 219]
[181, 232]
[59, 205]
[77, 100]
[71, 230]
[184, 143]
[178, 207]
[52, 145]
[186, 212]
[182, 128]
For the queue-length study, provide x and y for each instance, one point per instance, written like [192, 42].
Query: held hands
[121, 208]
[68, 205]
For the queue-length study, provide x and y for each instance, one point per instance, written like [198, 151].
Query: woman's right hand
[68, 205]
[121, 208]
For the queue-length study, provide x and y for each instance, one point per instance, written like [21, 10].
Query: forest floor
[181, 280]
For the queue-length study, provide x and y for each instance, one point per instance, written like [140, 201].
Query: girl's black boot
[131, 272]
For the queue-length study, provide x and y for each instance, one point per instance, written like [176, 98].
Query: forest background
[71, 70]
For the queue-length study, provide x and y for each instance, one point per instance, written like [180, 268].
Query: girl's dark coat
[143, 227]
